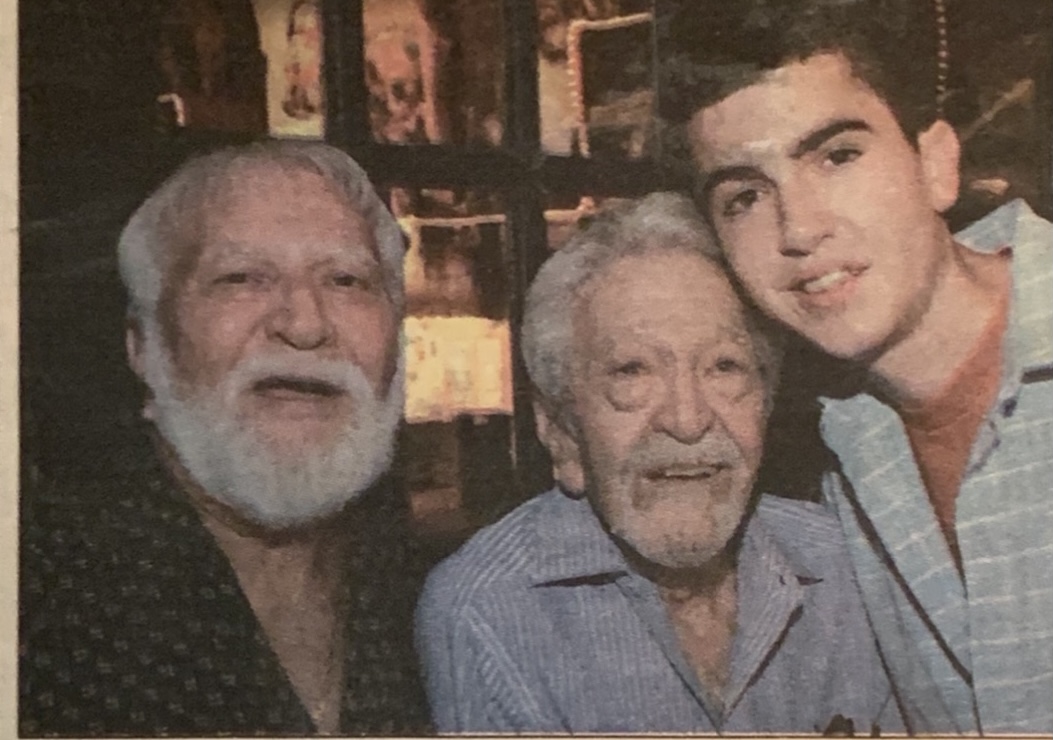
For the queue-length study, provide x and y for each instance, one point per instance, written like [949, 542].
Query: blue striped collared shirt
[972, 656]
[539, 625]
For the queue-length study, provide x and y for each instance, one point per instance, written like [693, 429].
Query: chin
[849, 342]
[277, 472]
[680, 536]
[290, 442]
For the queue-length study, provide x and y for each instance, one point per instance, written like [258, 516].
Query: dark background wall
[94, 141]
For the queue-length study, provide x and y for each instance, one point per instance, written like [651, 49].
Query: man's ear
[940, 160]
[135, 347]
[563, 449]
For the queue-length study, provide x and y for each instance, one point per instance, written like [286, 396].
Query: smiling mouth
[827, 281]
[289, 386]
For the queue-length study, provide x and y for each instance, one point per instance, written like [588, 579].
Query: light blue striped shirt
[539, 625]
[974, 656]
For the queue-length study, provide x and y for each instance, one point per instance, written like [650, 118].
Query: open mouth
[681, 473]
[291, 386]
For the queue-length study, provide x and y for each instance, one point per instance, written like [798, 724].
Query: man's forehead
[727, 328]
[619, 304]
[298, 200]
[766, 118]
[237, 216]
[275, 186]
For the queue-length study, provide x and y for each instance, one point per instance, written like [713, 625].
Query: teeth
[686, 474]
[824, 282]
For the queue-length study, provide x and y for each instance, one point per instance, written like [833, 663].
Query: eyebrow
[807, 144]
[368, 256]
[810, 142]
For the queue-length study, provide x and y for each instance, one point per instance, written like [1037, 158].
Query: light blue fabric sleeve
[472, 684]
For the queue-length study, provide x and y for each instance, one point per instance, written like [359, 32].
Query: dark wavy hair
[708, 49]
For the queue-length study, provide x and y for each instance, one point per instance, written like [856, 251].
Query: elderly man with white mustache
[654, 590]
[257, 578]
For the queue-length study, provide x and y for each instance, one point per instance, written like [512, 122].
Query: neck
[702, 606]
[917, 367]
[302, 561]
[295, 582]
[703, 612]
[701, 582]
[297, 587]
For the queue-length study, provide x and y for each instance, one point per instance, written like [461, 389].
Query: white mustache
[339, 376]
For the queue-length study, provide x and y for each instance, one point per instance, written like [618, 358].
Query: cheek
[870, 197]
[369, 331]
[745, 421]
[762, 280]
[210, 339]
[753, 253]
[608, 435]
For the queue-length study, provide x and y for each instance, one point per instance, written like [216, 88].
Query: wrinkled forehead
[237, 199]
[640, 290]
[632, 300]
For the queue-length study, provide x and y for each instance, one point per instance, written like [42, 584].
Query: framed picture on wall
[291, 39]
[610, 64]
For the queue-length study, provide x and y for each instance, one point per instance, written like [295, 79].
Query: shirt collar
[767, 550]
[1029, 344]
[573, 544]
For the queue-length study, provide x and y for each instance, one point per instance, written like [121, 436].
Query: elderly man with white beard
[653, 590]
[256, 577]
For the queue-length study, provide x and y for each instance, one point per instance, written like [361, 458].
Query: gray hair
[658, 222]
[160, 231]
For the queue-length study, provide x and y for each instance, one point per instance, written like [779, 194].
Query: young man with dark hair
[824, 168]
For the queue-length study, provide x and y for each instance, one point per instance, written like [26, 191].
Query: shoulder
[1013, 224]
[80, 513]
[500, 558]
[88, 541]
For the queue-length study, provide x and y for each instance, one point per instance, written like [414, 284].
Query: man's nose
[300, 318]
[685, 415]
[804, 217]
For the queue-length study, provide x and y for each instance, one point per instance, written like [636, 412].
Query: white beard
[236, 467]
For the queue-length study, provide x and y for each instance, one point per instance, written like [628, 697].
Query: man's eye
[345, 280]
[631, 369]
[843, 155]
[740, 202]
[233, 278]
[728, 365]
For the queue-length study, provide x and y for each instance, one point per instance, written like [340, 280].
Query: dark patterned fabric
[132, 620]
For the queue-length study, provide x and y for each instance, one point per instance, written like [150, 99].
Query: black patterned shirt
[131, 619]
